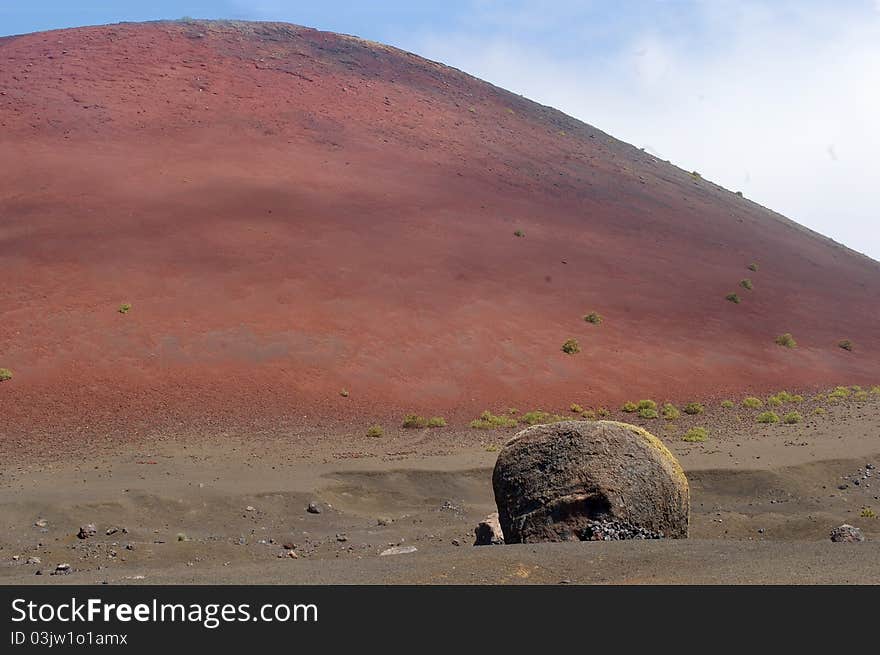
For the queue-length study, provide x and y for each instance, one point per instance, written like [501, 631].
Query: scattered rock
[110, 531]
[62, 569]
[341, 537]
[313, 508]
[41, 523]
[488, 531]
[382, 520]
[34, 560]
[87, 530]
[456, 542]
[398, 550]
[846, 534]
[250, 508]
[579, 479]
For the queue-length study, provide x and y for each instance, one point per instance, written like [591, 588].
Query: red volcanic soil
[293, 212]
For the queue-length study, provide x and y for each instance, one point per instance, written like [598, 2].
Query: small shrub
[786, 340]
[519, 233]
[593, 318]
[647, 404]
[602, 412]
[577, 409]
[855, 387]
[797, 398]
[768, 417]
[696, 435]
[5, 374]
[839, 392]
[492, 448]
[589, 414]
[792, 417]
[818, 398]
[774, 401]
[820, 411]
[436, 422]
[539, 416]
[670, 412]
[571, 347]
[868, 513]
[696, 175]
[739, 193]
[489, 421]
[415, 421]
[753, 267]
[648, 412]
[746, 283]
[727, 404]
[860, 395]
[375, 431]
[124, 308]
[693, 408]
[753, 403]
[629, 407]
[344, 393]
[732, 297]
[875, 390]
[846, 344]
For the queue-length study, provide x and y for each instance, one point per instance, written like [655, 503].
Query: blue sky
[777, 98]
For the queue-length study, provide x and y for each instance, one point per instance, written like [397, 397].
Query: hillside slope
[291, 213]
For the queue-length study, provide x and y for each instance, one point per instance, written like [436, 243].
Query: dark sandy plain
[293, 213]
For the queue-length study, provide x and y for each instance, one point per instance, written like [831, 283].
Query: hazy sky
[777, 98]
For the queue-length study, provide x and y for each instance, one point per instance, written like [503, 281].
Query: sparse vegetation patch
[727, 404]
[732, 297]
[753, 267]
[746, 284]
[436, 422]
[124, 308]
[571, 347]
[415, 421]
[768, 417]
[375, 431]
[629, 407]
[670, 412]
[846, 344]
[696, 435]
[593, 318]
[648, 412]
[753, 403]
[786, 340]
[5, 374]
[693, 408]
[539, 416]
[792, 417]
[489, 421]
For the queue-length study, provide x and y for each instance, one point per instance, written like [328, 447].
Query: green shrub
[539, 416]
[868, 513]
[5, 374]
[840, 392]
[753, 267]
[489, 421]
[602, 412]
[415, 421]
[727, 404]
[696, 175]
[670, 412]
[797, 398]
[786, 340]
[875, 390]
[739, 193]
[792, 417]
[768, 417]
[571, 347]
[846, 344]
[589, 414]
[647, 404]
[124, 308]
[820, 411]
[753, 403]
[648, 412]
[629, 407]
[436, 422]
[693, 408]
[855, 387]
[774, 401]
[732, 297]
[375, 431]
[593, 318]
[818, 398]
[696, 435]
[746, 283]
[860, 395]
[577, 409]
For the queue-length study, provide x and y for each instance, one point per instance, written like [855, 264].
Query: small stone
[382, 520]
[341, 537]
[843, 486]
[34, 560]
[289, 546]
[292, 554]
[87, 530]
[313, 508]
[62, 569]
[398, 550]
[41, 523]
[846, 534]
[488, 531]
[250, 508]
[456, 542]
[111, 531]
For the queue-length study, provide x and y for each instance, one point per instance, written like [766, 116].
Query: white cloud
[780, 100]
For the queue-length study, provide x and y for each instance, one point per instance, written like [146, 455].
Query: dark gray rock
[846, 534]
[589, 480]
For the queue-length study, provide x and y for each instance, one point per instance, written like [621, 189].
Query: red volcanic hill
[291, 213]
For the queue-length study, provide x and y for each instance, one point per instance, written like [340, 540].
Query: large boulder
[589, 480]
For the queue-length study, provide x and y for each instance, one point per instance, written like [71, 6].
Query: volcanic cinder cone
[292, 212]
